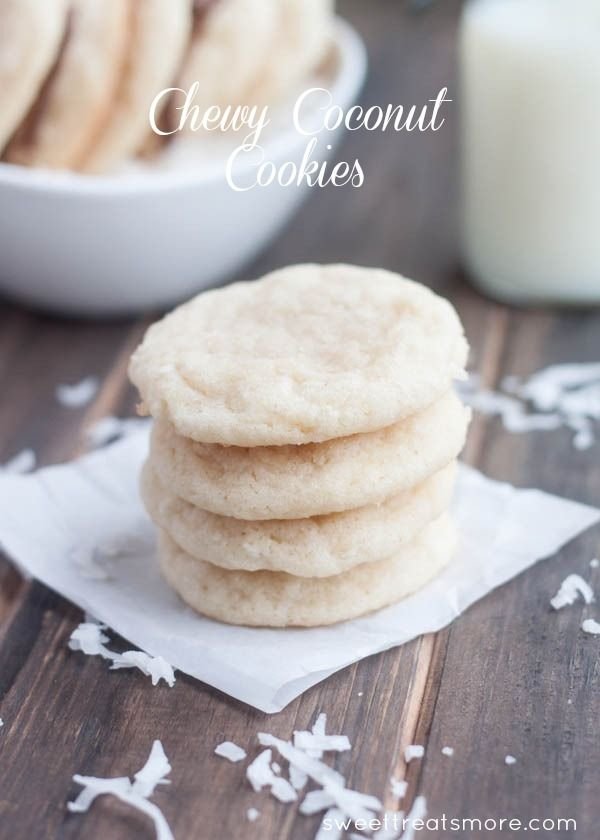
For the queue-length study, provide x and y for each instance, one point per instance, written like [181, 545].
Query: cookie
[320, 546]
[159, 37]
[228, 47]
[304, 37]
[307, 354]
[291, 482]
[276, 599]
[31, 34]
[75, 100]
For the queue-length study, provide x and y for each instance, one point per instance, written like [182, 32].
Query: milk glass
[530, 116]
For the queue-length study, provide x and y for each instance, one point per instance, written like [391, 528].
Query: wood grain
[507, 677]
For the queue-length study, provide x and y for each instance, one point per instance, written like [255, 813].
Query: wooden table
[507, 677]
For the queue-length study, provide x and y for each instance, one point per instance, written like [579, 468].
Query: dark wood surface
[507, 677]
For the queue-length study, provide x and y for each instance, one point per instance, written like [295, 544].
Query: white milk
[531, 148]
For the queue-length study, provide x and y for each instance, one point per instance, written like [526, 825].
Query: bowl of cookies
[149, 150]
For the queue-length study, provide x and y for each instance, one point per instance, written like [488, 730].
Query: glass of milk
[530, 77]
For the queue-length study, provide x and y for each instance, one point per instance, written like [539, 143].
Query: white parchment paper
[52, 522]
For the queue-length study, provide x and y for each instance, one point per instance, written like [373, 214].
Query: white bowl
[112, 245]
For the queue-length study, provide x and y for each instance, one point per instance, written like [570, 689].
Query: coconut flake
[78, 395]
[594, 563]
[230, 751]
[353, 804]
[90, 639]
[320, 724]
[135, 794]
[590, 626]
[313, 768]
[561, 395]
[318, 730]
[310, 743]
[584, 433]
[110, 428]
[449, 751]
[259, 772]
[316, 801]
[570, 588]
[398, 787]
[282, 790]
[252, 814]
[260, 775]
[510, 759]
[298, 778]
[548, 388]
[512, 413]
[153, 773]
[23, 462]
[413, 751]
[154, 667]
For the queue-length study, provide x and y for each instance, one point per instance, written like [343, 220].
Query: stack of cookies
[304, 447]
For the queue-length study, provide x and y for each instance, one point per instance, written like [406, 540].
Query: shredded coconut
[260, 775]
[298, 777]
[259, 772]
[313, 767]
[89, 638]
[154, 667]
[230, 751]
[565, 395]
[310, 742]
[511, 411]
[354, 805]
[449, 751]
[590, 626]
[252, 814]
[134, 793]
[548, 389]
[318, 730]
[316, 801]
[153, 773]
[23, 462]
[413, 751]
[78, 395]
[109, 428]
[341, 804]
[570, 588]
[398, 787]
[510, 759]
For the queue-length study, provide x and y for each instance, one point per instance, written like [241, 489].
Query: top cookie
[307, 354]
